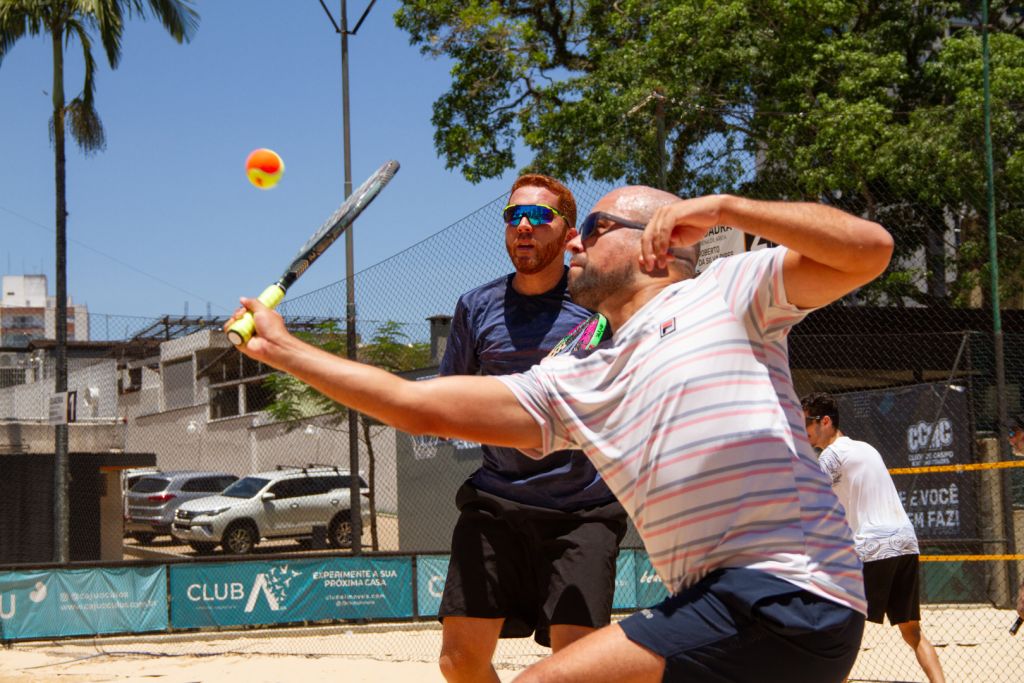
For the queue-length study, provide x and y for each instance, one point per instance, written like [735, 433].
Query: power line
[112, 258]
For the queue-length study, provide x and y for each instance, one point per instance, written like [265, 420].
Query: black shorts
[746, 626]
[892, 586]
[532, 566]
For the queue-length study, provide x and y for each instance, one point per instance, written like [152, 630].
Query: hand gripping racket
[242, 330]
[585, 336]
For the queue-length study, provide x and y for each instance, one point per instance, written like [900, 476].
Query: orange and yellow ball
[264, 168]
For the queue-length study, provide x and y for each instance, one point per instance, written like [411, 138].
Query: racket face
[585, 336]
[339, 221]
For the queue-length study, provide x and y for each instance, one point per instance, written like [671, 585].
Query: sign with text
[431, 572]
[917, 426]
[75, 602]
[251, 593]
[649, 588]
[719, 242]
[625, 580]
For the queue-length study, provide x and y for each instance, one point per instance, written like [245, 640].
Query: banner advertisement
[75, 602]
[431, 572]
[625, 580]
[649, 588]
[252, 593]
[917, 426]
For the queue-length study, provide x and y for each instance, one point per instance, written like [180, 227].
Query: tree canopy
[872, 105]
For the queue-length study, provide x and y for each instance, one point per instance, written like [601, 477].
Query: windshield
[245, 488]
[149, 485]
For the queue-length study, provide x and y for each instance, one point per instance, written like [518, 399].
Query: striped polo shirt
[690, 416]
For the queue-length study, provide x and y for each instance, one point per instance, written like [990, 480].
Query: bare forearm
[831, 253]
[472, 408]
[831, 237]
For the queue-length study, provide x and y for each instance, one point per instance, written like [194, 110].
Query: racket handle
[241, 330]
[1016, 626]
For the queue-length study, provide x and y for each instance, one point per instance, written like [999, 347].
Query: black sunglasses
[599, 220]
[812, 418]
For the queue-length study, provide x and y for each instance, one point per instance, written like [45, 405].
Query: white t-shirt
[691, 418]
[880, 525]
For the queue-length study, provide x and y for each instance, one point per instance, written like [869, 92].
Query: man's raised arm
[465, 407]
[831, 252]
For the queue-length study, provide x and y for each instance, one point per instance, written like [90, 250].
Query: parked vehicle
[151, 502]
[289, 502]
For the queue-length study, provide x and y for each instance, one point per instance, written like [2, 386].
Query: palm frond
[85, 126]
[179, 17]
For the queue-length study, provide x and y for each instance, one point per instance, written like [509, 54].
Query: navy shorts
[532, 566]
[739, 625]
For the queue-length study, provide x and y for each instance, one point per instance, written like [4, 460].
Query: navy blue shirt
[498, 331]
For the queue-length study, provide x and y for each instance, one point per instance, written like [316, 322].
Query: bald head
[639, 202]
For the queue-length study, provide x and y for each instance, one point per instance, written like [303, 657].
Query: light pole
[350, 305]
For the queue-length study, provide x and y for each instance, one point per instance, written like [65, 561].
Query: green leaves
[874, 106]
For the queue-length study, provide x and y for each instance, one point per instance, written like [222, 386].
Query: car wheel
[339, 533]
[239, 539]
[202, 548]
[143, 537]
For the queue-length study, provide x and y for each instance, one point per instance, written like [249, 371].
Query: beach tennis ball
[264, 168]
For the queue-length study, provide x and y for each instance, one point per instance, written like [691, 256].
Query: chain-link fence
[911, 360]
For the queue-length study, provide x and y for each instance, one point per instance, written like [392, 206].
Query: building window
[179, 386]
[224, 402]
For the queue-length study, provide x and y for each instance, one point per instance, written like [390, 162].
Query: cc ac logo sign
[930, 435]
[435, 586]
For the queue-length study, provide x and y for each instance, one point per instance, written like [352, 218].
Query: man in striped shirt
[690, 416]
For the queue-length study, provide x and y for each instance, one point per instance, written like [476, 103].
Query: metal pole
[997, 322]
[659, 116]
[355, 500]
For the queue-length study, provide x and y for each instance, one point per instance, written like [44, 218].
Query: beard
[590, 288]
[536, 260]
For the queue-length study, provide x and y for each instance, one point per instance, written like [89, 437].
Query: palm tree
[65, 21]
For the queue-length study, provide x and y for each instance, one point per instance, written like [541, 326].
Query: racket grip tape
[1016, 626]
[241, 330]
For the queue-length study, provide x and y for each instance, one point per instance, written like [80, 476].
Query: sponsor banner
[649, 588]
[625, 581]
[251, 593]
[431, 572]
[75, 602]
[917, 426]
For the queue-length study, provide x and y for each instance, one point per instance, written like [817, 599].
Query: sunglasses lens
[536, 214]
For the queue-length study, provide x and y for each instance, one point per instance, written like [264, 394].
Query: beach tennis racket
[242, 330]
[1016, 626]
[585, 336]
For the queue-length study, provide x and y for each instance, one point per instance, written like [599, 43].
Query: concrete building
[27, 313]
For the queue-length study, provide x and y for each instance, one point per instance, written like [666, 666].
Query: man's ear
[570, 233]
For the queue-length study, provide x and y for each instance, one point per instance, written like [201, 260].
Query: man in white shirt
[883, 535]
[689, 414]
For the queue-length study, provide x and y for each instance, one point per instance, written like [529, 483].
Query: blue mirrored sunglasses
[537, 214]
[605, 222]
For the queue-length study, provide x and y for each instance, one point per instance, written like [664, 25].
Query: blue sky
[165, 215]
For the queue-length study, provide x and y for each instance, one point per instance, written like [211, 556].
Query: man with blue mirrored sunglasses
[552, 523]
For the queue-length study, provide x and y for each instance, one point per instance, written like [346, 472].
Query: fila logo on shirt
[668, 327]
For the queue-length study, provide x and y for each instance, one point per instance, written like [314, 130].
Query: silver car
[290, 502]
[151, 502]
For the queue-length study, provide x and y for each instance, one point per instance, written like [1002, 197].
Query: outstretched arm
[831, 252]
[465, 407]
